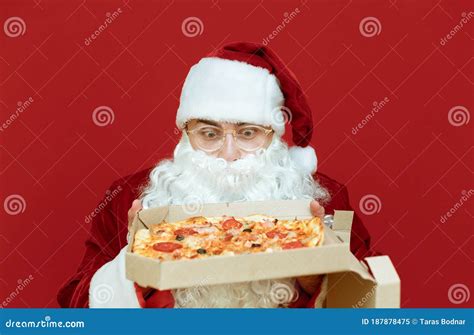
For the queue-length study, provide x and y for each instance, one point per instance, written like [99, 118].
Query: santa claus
[233, 109]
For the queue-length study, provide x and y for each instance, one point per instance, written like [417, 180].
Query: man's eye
[210, 135]
[248, 133]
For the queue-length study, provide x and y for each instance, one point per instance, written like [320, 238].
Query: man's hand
[132, 212]
[317, 209]
[310, 283]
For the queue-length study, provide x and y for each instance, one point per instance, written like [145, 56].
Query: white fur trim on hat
[109, 288]
[305, 158]
[225, 90]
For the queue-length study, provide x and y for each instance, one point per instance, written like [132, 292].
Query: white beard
[193, 178]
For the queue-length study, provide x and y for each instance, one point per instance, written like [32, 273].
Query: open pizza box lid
[350, 283]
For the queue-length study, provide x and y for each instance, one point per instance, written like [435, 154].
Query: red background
[408, 155]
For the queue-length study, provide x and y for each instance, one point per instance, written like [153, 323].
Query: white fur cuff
[109, 288]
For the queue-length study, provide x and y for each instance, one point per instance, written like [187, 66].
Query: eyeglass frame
[234, 135]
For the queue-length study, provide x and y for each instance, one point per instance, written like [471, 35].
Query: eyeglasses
[211, 138]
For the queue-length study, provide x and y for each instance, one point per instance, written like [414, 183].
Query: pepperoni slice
[293, 245]
[273, 233]
[231, 223]
[185, 231]
[166, 246]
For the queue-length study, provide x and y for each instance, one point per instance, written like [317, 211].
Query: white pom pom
[305, 158]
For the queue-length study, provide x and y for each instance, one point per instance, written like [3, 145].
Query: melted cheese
[210, 236]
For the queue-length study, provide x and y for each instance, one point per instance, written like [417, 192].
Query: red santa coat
[108, 236]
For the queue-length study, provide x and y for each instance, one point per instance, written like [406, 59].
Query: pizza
[200, 237]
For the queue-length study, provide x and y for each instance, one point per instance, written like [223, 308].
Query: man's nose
[230, 151]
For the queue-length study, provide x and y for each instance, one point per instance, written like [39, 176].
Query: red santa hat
[247, 82]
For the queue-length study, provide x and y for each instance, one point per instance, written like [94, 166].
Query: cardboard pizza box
[350, 283]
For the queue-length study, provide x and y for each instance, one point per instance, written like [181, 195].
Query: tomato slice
[231, 223]
[166, 246]
[293, 245]
[273, 233]
[185, 231]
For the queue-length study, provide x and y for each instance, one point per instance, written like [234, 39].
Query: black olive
[201, 251]
[247, 230]
[179, 237]
[256, 245]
